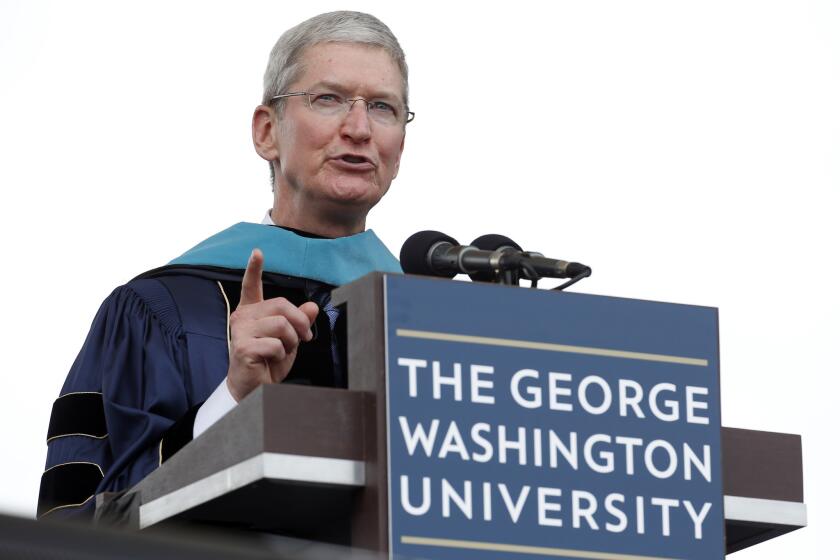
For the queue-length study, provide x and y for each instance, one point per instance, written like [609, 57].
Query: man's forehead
[349, 67]
[331, 49]
[347, 89]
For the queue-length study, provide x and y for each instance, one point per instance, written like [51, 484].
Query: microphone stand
[578, 278]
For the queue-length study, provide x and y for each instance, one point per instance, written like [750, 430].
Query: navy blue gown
[157, 349]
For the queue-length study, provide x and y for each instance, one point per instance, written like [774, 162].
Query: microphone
[553, 268]
[494, 242]
[414, 255]
[543, 266]
[432, 253]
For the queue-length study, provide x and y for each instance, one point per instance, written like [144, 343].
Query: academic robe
[158, 347]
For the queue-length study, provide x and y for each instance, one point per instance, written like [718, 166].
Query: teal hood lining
[333, 261]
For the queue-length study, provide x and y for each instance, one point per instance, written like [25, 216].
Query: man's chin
[354, 193]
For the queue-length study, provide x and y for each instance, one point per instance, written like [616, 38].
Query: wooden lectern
[311, 462]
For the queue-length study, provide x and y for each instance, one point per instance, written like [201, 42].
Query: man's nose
[356, 123]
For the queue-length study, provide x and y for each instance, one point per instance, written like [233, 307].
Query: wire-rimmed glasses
[333, 104]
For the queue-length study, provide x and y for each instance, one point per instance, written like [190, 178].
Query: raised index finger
[252, 290]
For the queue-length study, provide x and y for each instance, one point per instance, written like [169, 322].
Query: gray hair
[284, 62]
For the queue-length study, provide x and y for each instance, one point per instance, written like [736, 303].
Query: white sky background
[687, 151]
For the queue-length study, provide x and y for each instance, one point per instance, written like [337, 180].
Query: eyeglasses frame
[309, 94]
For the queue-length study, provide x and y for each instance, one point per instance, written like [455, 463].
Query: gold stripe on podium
[524, 549]
[532, 345]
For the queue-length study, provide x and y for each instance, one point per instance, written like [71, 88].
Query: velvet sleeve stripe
[68, 485]
[78, 414]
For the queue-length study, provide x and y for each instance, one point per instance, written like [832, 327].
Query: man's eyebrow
[333, 86]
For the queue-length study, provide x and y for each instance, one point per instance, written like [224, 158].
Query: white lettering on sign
[638, 451]
[554, 506]
[558, 391]
[599, 453]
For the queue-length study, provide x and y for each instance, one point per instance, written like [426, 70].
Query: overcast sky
[688, 151]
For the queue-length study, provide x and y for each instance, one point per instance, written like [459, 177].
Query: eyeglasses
[333, 104]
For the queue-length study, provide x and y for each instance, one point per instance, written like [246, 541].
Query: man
[165, 357]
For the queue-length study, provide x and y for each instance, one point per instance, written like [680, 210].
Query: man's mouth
[354, 161]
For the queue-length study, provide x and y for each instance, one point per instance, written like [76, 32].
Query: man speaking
[177, 347]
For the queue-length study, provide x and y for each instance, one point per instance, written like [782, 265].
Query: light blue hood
[333, 261]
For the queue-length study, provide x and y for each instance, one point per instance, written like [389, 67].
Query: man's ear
[262, 132]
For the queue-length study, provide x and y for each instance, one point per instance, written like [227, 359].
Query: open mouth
[354, 163]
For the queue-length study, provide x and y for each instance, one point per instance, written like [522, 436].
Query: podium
[314, 462]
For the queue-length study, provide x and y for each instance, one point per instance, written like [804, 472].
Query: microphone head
[414, 255]
[491, 242]
[575, 269]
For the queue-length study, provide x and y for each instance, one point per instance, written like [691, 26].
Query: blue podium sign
[526, 424]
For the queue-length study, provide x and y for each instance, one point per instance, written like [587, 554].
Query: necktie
[322, 297]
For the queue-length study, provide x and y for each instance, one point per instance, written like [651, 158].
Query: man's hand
[264, 334]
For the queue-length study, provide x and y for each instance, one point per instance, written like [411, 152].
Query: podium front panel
[527, 423]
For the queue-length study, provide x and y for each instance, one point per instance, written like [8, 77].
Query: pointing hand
[264, 334]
